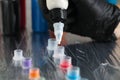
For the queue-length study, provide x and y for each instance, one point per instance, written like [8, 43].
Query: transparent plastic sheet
[42, 60]
[82, 58]
[87, 57]
[107, 72]
[47, 67]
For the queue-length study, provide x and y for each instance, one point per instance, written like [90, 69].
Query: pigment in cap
[34, 74]
[27, 63]
[73, 73]
[65, 63]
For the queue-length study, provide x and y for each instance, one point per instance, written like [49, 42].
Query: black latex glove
[93, 18]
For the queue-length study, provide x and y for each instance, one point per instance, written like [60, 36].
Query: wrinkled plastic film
[107, 72]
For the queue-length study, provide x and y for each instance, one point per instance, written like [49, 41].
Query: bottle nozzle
[58, 37]
[58, 31]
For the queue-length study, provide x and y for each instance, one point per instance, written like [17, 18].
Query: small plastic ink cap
[27, 63]
[73, 73]
[18, 55]
[65, 62]
[59, 50]
[52, 44]
[34, 73]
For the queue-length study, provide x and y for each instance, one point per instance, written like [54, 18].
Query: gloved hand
[93, 18]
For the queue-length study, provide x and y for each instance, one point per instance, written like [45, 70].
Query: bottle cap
[65, 62]
[58, 54]
[34, 73]
[52, 44]
[59, 51]
[18, 55]
[73, 73]
[27, 63]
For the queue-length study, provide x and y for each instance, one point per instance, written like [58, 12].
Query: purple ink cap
[27, 63]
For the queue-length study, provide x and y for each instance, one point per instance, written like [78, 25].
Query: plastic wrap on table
[89, 56]
[107, 72]
[82, 57]
[41, 59]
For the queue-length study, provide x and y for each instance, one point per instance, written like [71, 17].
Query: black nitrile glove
[93, 18]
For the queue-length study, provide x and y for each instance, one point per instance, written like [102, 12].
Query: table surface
[88, 56]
